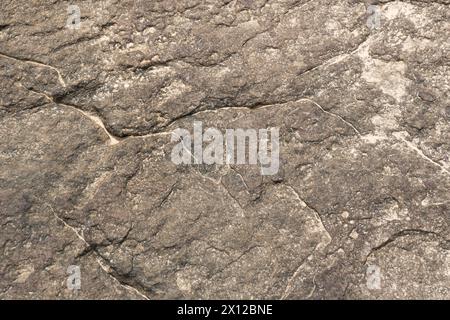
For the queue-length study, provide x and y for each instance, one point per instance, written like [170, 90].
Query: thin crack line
[98, 258]
[401, 234]
[289, 285]
[313, 289]
[398, 135]
[341, 57]
[96, 119]
[332, 114]
[232, 197]
[37, 63]
[241, 177]
[115, 140]
[263, 106]
[316, 213]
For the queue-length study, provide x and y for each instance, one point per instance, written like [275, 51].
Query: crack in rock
[98, 258]
[36, 63]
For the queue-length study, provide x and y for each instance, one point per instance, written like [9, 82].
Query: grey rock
[359, 208]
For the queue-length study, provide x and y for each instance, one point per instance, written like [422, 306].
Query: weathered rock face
[360, 205]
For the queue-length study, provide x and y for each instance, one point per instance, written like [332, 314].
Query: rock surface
[359, 209]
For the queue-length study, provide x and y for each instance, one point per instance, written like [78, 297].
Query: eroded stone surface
[358, 209]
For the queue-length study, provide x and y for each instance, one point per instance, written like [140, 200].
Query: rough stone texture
[86, 177]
